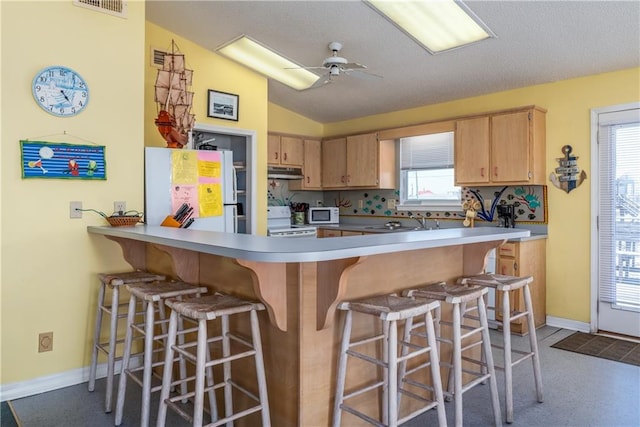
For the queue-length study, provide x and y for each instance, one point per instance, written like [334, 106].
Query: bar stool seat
[202, 310]
[508, 285]
[397, 381]
[460, 297]
[114, 281]
[153, 294]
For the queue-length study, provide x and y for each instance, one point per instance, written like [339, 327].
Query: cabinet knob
[276, 156]
[515, 266]
[285, 156]
[495, 171]
[482, 172]
[308, 180]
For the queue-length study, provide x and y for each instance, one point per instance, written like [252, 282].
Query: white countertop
[305, 249]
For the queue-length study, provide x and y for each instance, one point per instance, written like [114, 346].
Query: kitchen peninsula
[300, 281]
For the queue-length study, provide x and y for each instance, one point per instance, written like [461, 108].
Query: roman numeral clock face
[60, 91]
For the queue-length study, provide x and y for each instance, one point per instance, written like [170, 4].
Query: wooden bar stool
[202, 310]
[508, 285]
[459, 296]
[396, 380]
[113, 281]
[154, 294]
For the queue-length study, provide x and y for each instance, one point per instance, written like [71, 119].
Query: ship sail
[174, 100]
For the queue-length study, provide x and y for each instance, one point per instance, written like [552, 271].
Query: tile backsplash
[530, 202]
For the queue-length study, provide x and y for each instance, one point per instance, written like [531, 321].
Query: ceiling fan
[337, 65]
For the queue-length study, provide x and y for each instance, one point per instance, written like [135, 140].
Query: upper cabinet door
[510, 147]
[334, 163]
[291, 151]
[311, 168]
[471, 151]
[273, 149]
[362, 160]
[312, 163]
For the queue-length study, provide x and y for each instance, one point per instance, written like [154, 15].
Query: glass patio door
[618, 225]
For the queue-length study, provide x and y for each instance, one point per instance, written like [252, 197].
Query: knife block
[170, 222]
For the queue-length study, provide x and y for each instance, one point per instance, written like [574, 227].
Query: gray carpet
[579, 391]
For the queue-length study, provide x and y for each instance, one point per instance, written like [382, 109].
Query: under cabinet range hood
[275, 172]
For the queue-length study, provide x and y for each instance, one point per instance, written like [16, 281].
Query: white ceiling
[537, 42]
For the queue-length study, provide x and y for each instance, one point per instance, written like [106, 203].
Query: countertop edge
[278, 250]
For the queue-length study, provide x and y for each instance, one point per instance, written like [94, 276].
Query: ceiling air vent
[157, 57]
[112, 7]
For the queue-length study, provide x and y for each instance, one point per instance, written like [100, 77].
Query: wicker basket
[123, 220]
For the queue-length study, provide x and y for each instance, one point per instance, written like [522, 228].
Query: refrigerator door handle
[235, 218]
[234, 180]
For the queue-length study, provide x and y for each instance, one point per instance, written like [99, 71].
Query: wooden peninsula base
[301, 329]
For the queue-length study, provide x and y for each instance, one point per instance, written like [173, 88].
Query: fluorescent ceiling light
[437, 25]
[266, 61]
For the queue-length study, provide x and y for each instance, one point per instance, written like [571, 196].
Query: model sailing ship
[174, 99]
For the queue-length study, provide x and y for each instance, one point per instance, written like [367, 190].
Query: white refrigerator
[205, 179]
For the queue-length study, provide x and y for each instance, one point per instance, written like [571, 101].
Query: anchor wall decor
[568, 176]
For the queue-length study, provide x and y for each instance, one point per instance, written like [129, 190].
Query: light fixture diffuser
[437, 25]
[266, 61]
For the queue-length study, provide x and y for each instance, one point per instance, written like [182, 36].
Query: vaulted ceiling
[537, 42]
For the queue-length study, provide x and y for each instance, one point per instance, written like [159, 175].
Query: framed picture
[48, 160]
[223, 105]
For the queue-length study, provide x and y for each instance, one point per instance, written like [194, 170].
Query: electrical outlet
[360, 204]
[45, 342]
[319, 203]
[120, 207]
[487, 204]
[391, 204]
[75, 209]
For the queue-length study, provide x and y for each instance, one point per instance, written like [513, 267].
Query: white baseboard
[574, 325]
[39, 385]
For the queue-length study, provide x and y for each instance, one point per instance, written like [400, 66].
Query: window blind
[619, 206]
[434, 151]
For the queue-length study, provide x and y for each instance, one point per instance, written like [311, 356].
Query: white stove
[279, 224]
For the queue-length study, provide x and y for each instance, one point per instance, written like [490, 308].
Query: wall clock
[60, 91]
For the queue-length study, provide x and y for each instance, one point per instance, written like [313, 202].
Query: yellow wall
[49, 262]
[568, 122]
[287, 121]
[212, 71]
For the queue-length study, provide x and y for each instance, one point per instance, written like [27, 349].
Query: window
[426, 173]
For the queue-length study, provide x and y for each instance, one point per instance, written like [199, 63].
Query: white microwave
[324, 215]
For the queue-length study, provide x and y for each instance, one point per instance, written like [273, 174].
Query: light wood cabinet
[284, 150]
[471, 150]
[325, 232]
[527, 258]
[334, 163]
[358, 161]
[503, 148]
[311, 167]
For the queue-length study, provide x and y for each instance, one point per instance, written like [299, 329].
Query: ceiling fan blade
[323, 80]
[304, 68]
[353, 66]
[363, 74]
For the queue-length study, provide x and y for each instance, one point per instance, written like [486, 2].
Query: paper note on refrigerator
[184, 194]
[210, 199]
[184, 167]
[209, 166]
